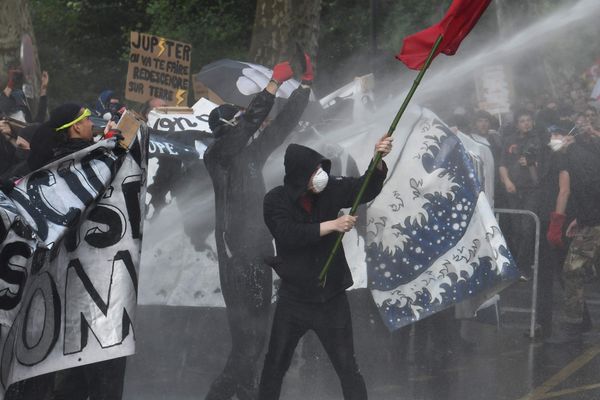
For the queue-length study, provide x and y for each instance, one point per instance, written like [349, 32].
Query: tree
[16, 22]
[279, 24]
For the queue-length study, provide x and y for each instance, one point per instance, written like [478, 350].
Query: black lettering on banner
[135, 151]
[131, 188]
[179, 121]
[18, 344]
[94, 314]
[134, 58]
[39, 260]
[175, 124]
[35, 204]
[105, 156]
[67, 171]
[4, 225]
[113, 218]
[32, 350]
[13, 274]
[71, 240]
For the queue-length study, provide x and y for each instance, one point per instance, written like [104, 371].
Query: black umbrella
[237, 82]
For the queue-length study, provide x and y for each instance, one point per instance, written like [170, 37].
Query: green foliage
[346, 38]
[216, 29]
[84, 44]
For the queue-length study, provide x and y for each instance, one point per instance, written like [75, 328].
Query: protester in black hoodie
[302, 215]
[234, 162]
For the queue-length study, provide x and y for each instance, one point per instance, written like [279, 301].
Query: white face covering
[556, 144]
[319, 181]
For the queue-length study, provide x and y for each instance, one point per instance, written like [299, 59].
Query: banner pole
[377, 158]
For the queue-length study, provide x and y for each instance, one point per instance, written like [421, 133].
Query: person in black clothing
[550, 257]
[19, 153]
[69, 130]
[234, 162]
[302, 215]
[519, 173]
[579, 186]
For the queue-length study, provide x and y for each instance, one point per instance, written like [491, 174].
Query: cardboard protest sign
[158, 67]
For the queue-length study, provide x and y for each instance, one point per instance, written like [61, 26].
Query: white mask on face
[319, 181]
[555, 144]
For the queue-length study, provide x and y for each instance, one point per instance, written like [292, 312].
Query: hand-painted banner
[181, 135]
[434, 241]
[70, 245]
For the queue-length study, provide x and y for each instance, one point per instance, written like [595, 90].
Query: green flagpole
[377, 158]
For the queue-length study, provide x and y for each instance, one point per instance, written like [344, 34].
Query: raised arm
[349, 187]
[233, 142]
[285, 122]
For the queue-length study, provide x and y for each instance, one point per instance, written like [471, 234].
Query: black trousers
[332, 323]
[98, 381]
[246, 287]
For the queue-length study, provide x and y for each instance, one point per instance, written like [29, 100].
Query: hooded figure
[302, 215]
[235, 161]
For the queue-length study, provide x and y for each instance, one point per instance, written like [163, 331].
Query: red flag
[456, 24]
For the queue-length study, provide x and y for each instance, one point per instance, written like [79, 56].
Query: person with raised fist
[234, 162]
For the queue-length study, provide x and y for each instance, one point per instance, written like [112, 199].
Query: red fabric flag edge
[455, 26]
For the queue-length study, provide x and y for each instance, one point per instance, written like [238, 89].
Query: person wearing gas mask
[579, 187]
[234, 162]
[303, 215]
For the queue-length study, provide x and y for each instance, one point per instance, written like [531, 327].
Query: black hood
[300, 162]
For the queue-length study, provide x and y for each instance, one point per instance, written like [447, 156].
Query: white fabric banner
[70, 243]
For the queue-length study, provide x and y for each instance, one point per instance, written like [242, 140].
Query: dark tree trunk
[279, 24]
[15, 21]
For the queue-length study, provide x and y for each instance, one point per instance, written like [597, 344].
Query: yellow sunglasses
[86, 113]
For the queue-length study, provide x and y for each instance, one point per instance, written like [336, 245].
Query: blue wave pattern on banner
[427, 239]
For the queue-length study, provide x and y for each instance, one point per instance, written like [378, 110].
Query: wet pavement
[182, 349]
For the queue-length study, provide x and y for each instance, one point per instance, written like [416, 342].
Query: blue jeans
[332, 323]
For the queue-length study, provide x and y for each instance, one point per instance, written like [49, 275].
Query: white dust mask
[556, 144]
[319, 181]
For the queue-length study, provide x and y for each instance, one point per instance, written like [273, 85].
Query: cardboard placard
[159, 68]
[128, 125]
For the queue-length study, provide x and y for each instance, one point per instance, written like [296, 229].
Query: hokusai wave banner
[70, 243]
[433, 241]
[429, 175]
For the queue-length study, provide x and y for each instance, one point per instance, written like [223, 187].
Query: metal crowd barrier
[534, 267]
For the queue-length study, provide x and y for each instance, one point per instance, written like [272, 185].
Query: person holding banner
[234, 162]
[68, 131]
[302, 215]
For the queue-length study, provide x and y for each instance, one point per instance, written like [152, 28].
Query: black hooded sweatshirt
[301, 251]
[235, 161]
